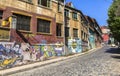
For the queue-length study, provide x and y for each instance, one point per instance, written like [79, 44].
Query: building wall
[105, 33]
[34, 11]
[35, 46]
[74, 23]
[73, 43]
[84, 35]
[105, 37]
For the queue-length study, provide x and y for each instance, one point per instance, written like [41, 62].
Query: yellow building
[73, 28]
[35, 20]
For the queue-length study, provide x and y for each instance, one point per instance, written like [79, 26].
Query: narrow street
[103, 62]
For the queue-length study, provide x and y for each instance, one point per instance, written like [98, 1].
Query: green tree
[114, 19]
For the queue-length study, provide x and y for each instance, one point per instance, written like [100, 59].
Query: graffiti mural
[74, 45]
[15, 53]
[91, 42]
[9, 54]
[84, 45]
[59, 50]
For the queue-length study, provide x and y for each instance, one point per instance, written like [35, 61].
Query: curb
[39, 64]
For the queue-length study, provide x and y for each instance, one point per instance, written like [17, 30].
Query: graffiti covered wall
[74, 45]
[84, 46]
[13, 53]
[91, 42]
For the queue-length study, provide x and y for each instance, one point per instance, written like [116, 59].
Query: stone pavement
[38, 64]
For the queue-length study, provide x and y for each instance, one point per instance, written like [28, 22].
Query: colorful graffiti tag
[74, 45]
[14, 53]
[9, 54]
[91, 42]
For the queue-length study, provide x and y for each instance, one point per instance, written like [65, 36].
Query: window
[23, 22]
[1, 13]
[74, 15]
[66, 13]
[82, 34]
[59, 29]
[75, 32]
[66, 31]
[43, 26]
[59, 7]
[45, 3]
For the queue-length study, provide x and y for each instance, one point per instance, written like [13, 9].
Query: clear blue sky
[94, 8]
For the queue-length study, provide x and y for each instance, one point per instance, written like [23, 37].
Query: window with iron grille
[75, 32]
[23, 22]
[45, 3]
[43, 26]
[58, 29]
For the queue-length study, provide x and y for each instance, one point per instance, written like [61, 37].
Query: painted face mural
[17, 49]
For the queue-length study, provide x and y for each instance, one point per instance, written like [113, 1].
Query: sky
[97, 9]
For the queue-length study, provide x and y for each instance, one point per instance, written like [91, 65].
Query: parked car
[113, 45]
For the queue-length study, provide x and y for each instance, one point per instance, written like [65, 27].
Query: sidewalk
[38, 64]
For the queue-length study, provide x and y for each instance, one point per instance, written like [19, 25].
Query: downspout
[64, 28]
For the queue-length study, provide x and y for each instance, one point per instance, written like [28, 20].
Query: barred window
[75, 32]
[23, 22]
[43, 26]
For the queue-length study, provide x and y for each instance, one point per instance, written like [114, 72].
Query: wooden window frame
[75, 33]
[43, 32]
[74, 15]
[67, 13]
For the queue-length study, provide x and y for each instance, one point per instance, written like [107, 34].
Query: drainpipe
[64, 28]
[88, 36]
[13, 22]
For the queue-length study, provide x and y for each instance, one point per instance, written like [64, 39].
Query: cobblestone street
[103, 62]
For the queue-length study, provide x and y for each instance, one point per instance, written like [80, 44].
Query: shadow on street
[115, 56]
[115, 52]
